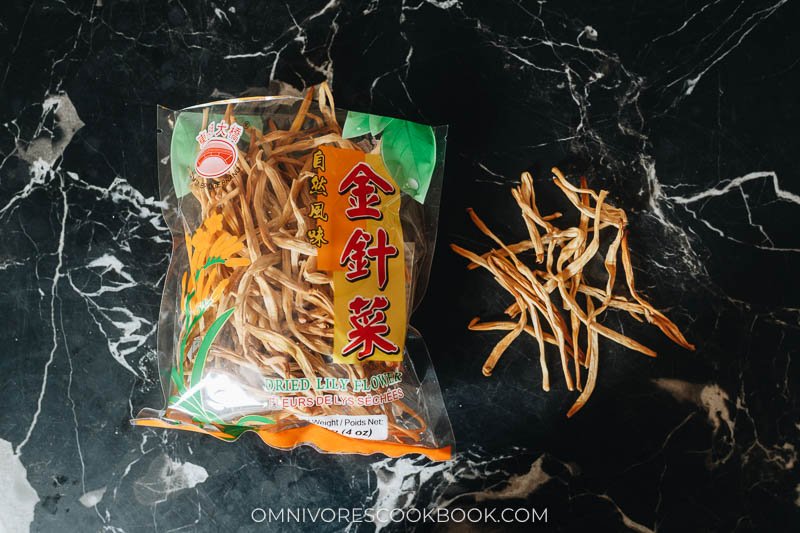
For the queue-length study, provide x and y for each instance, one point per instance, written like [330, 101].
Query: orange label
[331, 167]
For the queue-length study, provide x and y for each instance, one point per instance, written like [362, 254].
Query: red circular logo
[217, 157]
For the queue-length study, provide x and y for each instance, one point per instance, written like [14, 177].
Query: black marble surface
[686, 112]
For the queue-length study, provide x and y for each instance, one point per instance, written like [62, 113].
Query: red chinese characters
[356, 255]
[381, 253]
[235, 132]
[220, 130]
[362, 182]
[368, 322]
[372, 328]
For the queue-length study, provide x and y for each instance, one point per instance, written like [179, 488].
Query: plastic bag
[300, 251]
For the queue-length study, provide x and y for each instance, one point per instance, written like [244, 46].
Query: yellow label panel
[360, 240]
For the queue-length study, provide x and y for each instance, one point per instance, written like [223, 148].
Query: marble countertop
[685, 112]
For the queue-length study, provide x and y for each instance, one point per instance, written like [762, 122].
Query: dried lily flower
[561, 255]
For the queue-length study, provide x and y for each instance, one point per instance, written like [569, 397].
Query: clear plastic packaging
[300, 251]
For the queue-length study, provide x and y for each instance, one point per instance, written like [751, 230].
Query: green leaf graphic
[378, 123]
[254, 418]
[190, 404]
[176, 379]
[211, 334]
[213, 261]
[183, 150]
[409, 153]
[355, 125]
[233, 432]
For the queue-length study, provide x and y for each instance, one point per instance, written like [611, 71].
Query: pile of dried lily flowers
[562, 255]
